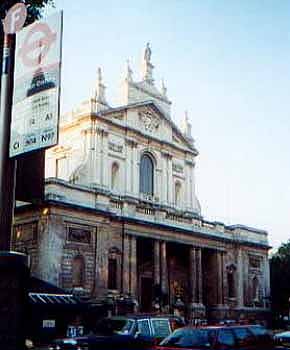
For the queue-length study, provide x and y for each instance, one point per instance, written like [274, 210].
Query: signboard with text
[35, 110]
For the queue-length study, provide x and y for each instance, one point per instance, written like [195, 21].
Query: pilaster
[164, 176]
[98, 155]
[126, 265]
[135, 169]
[240, 279]
[128, 171]
[170, 180]
[133, 266]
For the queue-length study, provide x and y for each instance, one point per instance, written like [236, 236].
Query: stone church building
[121, 220]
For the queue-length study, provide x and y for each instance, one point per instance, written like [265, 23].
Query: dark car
[123, 332]
[226, 338]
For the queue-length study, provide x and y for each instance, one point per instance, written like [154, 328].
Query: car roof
[142, 316]
[220, 327]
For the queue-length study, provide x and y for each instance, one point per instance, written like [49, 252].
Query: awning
[52, 299]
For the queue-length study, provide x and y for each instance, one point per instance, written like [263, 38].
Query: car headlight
[57, 347]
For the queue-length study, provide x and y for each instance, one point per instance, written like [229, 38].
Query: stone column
[266, 278]
[156, 262]
[240, 279]
[192, 274]
[199, 275]
[126, 265]
[133, 267]
[195, 274]
[220, 277]
[164, 269]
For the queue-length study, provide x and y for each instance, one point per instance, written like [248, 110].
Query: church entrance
[145, 265]
[146, 294]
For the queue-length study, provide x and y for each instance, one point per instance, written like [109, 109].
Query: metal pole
[7, 166]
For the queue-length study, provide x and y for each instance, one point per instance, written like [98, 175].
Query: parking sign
[35, 110]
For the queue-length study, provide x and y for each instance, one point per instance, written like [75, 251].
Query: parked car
[282, 338]
[126, 332]
[220, 337]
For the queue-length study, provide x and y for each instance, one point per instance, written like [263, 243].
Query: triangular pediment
[153, 120]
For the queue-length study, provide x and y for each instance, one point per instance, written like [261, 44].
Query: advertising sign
[35, 110]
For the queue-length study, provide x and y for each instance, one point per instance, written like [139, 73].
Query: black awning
[38, 286]
[53, 299]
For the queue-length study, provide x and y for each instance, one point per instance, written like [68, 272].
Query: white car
[282, 338]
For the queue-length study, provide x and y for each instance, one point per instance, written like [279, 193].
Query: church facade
[121, 220]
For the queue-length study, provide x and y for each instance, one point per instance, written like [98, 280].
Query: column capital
[167, 154]
[131, 142]
[102, 131]
[190, 162]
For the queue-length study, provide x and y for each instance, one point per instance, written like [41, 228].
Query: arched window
[177, 193]
[115, 176]
[146, 175]
[78, 271]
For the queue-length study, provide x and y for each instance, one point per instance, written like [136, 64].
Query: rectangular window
[79, 235]
[25, 232]
[161, 327]
[144, 327]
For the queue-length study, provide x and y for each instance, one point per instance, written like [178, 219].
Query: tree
[280, 280]
[34, 10]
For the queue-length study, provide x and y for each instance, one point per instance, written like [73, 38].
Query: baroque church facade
[121, 219]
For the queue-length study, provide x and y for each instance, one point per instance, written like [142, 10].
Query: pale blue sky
[226, 62]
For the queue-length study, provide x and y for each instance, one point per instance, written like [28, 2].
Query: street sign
[35, 110]
[15, 18]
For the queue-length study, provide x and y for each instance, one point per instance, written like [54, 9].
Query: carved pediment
[149, 120]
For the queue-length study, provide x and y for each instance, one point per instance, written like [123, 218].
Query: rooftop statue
[147, 53]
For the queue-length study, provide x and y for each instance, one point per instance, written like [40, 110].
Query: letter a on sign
[36, 86]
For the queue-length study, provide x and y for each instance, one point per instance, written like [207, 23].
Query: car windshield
[183, 338]
[110, 326]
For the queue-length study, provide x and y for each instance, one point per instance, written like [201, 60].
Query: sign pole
[14, 269]
[7, 166]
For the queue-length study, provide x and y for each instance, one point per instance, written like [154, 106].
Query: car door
[225, 340]
[160, 327]
[244, 338]
[144, 327]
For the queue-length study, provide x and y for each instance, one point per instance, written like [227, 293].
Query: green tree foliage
[34, 8]
[280, 279]
[34, 11]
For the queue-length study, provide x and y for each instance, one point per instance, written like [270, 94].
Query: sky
[228, 64]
